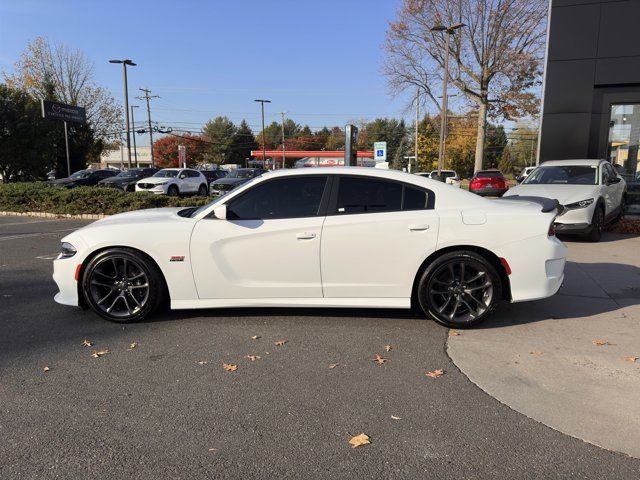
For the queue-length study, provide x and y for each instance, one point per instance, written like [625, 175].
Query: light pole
[449, 31]
[133, 131]
[124, 63]
[264, 147]
[283, 147]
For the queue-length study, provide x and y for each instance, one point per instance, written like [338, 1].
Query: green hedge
[40, 197]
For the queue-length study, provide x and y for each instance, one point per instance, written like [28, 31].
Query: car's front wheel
[202, 191]
[173, 191]
[122, 285]
[597, 225]
[459, 289]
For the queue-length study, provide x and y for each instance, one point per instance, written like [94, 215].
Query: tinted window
[193, 173]
[367, 195]
[414, 199]
[284, 198]
[563, 174]
[488, 174]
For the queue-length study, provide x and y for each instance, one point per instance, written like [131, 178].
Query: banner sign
[63, 112]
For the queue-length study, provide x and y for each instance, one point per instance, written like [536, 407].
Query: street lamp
[264, 147]
[449, 31]
[124, 63]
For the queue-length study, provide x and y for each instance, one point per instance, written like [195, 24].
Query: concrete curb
[83, 216]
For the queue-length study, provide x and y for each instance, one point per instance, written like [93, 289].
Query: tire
[202, 190]
[130, 188]
[446, 281]
[597, 223]
[623, 206]
[173, 191]
[123, 286]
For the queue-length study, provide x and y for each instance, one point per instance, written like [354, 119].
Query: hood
[119, 180]
[565, 194]
[64, 181]
[156, 180]
[139, 216]
[230, 181]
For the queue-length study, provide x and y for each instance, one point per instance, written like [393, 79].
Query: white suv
[174, 182]
[591, 191]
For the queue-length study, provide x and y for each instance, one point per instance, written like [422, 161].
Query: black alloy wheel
[459, 289]
[597, 225]
[173, 191]
[122, 286]
[202, 190]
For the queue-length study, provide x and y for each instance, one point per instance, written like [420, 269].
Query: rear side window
[370, 195]
[294, 197]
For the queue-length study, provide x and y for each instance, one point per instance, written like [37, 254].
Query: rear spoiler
[547, 204]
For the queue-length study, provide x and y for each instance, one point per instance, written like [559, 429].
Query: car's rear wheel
[202, 191]
[597, 224]
[459, 289]
[122, 285]
[173, 191]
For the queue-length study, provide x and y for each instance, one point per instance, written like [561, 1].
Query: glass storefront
[624, 140]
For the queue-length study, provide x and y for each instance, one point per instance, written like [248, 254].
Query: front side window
[294, 197]
[372, 195]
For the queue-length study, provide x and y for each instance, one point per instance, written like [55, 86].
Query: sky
[320, 61]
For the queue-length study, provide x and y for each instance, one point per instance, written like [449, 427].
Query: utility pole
[124, 63]
[443, 114]
[283, 147]
[133, 131]
[264, 147]
[148, 97]
[415, 157]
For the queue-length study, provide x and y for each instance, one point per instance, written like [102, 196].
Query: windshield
[81, 174]
[166, 174]
[240, 173]
[563, 174]
[129, 174]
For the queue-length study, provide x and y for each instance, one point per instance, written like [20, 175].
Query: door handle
[305, 236]
[419, 228]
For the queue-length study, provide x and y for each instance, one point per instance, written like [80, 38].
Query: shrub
[40, 197]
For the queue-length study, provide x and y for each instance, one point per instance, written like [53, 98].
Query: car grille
[146, 185]
[223, 187]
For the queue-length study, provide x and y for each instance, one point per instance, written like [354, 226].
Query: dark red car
[488, 183]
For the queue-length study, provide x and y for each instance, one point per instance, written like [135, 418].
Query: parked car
[213, 175]
[591, 192]
[126, 180]
[234, 178]
[524, 174]
[308, 237]
[449, 176]
[174, 182]
[488, 183]
[84, 178]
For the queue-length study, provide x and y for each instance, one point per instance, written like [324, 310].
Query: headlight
[162, 183]
[67, 250]
[580, 204]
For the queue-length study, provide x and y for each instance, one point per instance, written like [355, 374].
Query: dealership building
[591, 106]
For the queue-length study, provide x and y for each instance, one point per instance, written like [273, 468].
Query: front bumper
[64, 271]
[158, 189]
[576, 221]
[572, 228]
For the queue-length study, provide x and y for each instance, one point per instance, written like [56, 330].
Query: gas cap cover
[474, 217]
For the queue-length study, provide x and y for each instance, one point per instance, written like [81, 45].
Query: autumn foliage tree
[165, 150]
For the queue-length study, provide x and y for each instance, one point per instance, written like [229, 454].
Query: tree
[273, 133]
[495, 59]
[219, 133]
[495, 145]
[56, 72]
[29, 144]
[335, 141]
[428, 143]
[243, 142]
[390, 130]
[506, 161]
[165, 150]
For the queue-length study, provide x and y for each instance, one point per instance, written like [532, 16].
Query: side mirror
[182, 176]
[220, 211]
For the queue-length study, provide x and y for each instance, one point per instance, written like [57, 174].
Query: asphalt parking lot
[167, 408]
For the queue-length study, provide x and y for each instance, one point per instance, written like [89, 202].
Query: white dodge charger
[322, 237]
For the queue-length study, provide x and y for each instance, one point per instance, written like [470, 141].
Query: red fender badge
[177, 258]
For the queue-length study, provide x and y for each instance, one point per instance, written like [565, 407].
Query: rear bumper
[489, 192]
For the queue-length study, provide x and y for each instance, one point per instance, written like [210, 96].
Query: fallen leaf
[253, 358]
[255, 337]
[230, 367]
[379, 359]
[46, 369]
[395, 418]
[359, 440]
[202, 362]
[535, 352]
[99, 353]
[630, 358]
[212, 449]
[87, 343]
[133, 345]
[600, 343]
[280, 343]
[454, 333]
[435, 373]
[387, 348]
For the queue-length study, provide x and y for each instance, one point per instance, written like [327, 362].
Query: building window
[624, 137]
